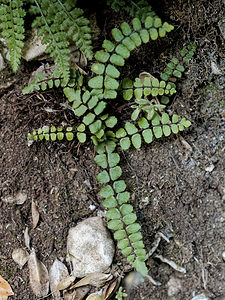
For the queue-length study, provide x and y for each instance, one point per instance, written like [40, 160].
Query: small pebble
[18, 199]
[215, 68]
[200, 297]
[210, 168]
[174, 286]
[223, 255]
[92, 207]
[132, 280]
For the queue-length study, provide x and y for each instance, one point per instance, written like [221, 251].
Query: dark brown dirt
[171, 183]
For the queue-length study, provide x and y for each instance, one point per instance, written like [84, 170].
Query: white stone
[57, 272]
[223, 255]
[90, 247]
[92, 207]
[174, 286]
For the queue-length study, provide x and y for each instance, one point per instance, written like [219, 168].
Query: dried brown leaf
[95, 296]
[5, 288]
[77, 294]
[27, 238]
[69, 296]
[111, 288]
[57, 272]
[20, 256]
[35, 214]
[81, 292]
[185, 144]
[171, 263]
[39, 279]
[96, 279]
[142, 76]
[65, 283]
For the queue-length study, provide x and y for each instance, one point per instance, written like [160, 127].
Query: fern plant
[59, 22]
[148, 120]
[12, 29]
[140, 9]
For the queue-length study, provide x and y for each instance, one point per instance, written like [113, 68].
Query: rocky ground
[177, 183]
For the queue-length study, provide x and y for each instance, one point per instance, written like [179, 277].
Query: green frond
[140, 89]
[116, 4]
[91, 108]
[54, 37]
[146, 130]
[12, 28]
[145, 107]
[76, 26]
[122, 219]
[175, 67]
[54, 133]
[41, 82]
[141, 10]
[114, 55]
[83, 102]
[61, 23]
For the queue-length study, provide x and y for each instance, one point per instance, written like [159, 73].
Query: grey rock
[89, 247]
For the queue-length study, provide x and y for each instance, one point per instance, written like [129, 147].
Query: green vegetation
[90, 102]
[60, 23]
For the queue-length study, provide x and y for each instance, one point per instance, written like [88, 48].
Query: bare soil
[177, 183]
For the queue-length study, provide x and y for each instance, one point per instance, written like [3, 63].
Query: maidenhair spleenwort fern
[148, 96]
[59, 22]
